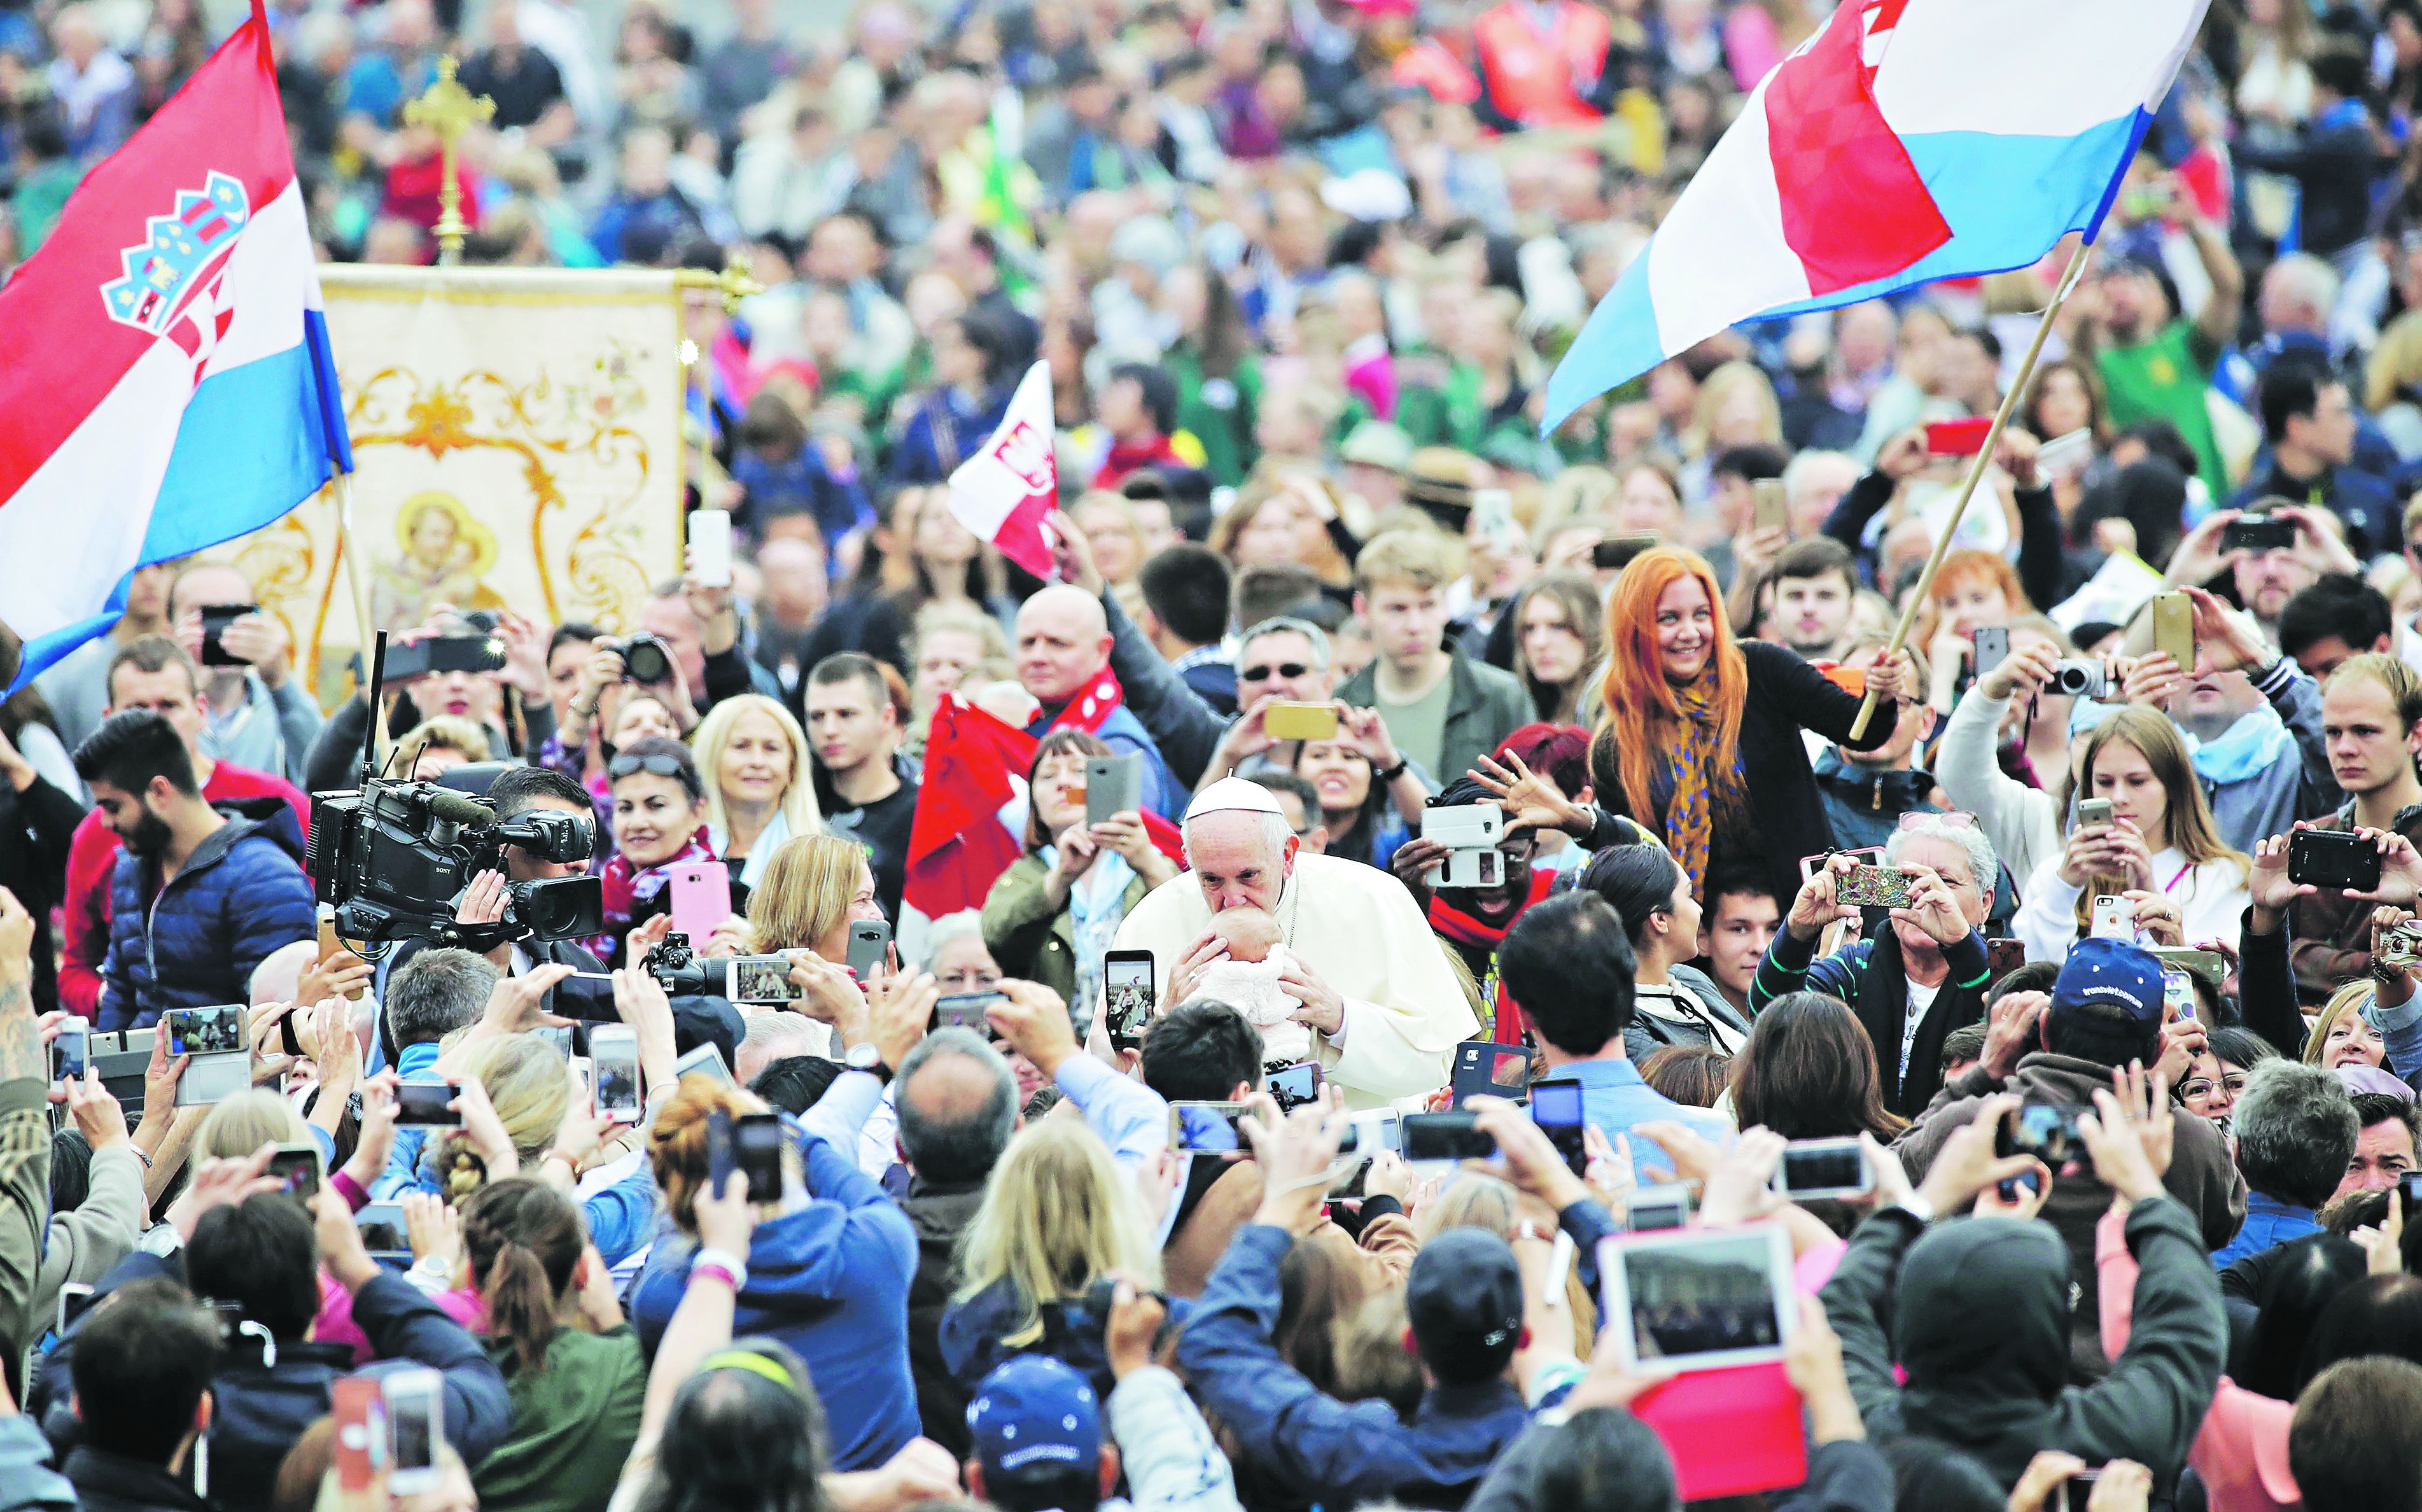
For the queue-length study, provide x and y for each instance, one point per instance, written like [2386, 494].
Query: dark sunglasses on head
[1262, 674]
[622, 766]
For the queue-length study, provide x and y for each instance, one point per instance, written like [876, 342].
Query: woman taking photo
[2159, 845]
[827, 1272]
[659, 818]
[1674, 1004]
[1699, 737]
[815, 887]
[758, 792]
[1053, 914]
[1558, 641]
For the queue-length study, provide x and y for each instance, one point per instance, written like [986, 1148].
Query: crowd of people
[1452, 746]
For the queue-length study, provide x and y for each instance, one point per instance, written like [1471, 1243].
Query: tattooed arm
[24, 1145]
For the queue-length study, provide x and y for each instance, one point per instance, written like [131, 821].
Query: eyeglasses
[622, 766]
[2203, 1087]
[1954, 819]
[1262, 674]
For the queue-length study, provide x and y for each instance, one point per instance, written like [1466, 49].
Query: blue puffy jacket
[195, 942]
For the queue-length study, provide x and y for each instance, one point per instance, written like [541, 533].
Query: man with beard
[200, 895]
[149, 673]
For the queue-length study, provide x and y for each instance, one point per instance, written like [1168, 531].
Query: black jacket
[1786, 812]
[1869, 976]
[39, 824]
[941, 1212]
[1976, 1311]
[115, 1483]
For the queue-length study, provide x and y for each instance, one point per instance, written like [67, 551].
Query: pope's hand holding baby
[1323, 1009]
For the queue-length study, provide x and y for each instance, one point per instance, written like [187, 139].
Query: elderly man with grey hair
[958, 1107]
[1373, 985]
[1914, 983]
[2295, 1129]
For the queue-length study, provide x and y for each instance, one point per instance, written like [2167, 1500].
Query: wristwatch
[865, 1057]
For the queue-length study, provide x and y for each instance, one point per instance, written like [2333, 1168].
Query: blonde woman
[1486, 1203]
[815, 887]
[2160, 848]
[754, 758]
[439, 745]
[1057, 1217]
[2344, 1034]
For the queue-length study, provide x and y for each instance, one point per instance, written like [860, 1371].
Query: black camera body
[647, 659]
[394, 857]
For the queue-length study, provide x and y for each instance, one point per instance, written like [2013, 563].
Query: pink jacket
[2242, 1449]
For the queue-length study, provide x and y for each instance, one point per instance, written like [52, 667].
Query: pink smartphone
[702, 898]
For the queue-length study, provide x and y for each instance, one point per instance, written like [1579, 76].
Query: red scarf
[624, 887]
[1091, 707]
[1451, 923]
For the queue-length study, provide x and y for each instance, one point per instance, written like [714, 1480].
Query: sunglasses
[1262, 674]
[622, 766]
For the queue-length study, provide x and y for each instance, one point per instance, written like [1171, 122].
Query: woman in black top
[1699, 734]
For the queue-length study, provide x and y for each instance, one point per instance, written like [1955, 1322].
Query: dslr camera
[393, 858]
[647, 659]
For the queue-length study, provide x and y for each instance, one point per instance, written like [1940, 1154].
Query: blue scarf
[2254, 743]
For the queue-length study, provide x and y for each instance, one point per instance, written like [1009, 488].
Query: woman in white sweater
[2160, 850]
[2021, 822]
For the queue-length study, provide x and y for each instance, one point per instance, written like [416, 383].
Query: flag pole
[343, 483]
[1983, 458]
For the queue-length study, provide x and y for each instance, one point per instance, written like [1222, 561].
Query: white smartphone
[710, 547]
[584, 1083]
[415, 1430]
[615, 1052]
[71, 1049]
[2114, 918]
[706, 1060]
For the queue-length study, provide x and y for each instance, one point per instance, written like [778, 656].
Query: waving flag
[1910, 140]
[1004, 491]
[168, 382]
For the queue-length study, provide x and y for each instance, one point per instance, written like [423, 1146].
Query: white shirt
[1920, 1001]
[2211, 899]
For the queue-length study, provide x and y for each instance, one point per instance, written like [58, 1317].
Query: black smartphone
[1615, 554]
[1127, 997]
[444, 653]
[296, 1168]
[965, 1010]
[1556, 1108]
[719, 1160]
[1447, 1137]
[2259, 532]
[288, 1038]
[2048, 1131]
[71, 1049]
[1484, 1068]
[425, 1103]
[870, 942]
[2345, 861]
[215, 619]
[757, 1154]
[1296, 1086]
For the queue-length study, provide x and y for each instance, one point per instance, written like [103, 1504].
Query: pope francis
[1383, 1005]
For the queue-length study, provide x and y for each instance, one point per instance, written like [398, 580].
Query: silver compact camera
[2080, 677]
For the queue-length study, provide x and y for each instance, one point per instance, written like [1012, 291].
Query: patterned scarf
[626, 887]
[1090, 707]
[1689, 813]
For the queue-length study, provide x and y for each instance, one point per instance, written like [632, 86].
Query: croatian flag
[1907, 141]
[168, 382]
[1004, 491]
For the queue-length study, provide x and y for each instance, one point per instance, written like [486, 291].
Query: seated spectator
[1568, 965]
[2105, 1013]
[2294, 1130]
[1913, 983]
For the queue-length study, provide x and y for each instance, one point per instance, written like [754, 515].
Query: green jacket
[1485, 706]
[1220, 411]
[575, 1421]
[1031, 940]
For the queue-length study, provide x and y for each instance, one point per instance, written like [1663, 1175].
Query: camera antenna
[371, 730]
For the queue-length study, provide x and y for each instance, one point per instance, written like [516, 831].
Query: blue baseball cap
[2110, 979]
[1034, 1411]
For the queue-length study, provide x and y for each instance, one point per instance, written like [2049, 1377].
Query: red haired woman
[1699, 738]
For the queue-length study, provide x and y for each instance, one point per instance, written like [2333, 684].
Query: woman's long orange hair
[1640, 709]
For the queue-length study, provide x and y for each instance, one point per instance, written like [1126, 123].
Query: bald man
[1063, 661]
[1385, 1008]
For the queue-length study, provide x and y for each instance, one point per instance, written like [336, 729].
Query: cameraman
[517, 790]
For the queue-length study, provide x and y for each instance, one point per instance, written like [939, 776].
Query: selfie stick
[1976, 470]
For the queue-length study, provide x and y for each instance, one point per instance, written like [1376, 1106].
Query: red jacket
[93, 853]
[1541, 80]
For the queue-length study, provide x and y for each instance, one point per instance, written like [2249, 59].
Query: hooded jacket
[831, 1281]
[2201, 1176]
[195, 942]
[1979, 1311]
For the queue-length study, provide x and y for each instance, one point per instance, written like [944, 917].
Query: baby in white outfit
[1247, 980]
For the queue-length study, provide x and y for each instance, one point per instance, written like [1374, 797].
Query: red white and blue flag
[1908, 140]
[168, 382]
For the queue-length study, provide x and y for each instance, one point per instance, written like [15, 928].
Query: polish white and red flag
[1004, 492]
[1907, 141]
